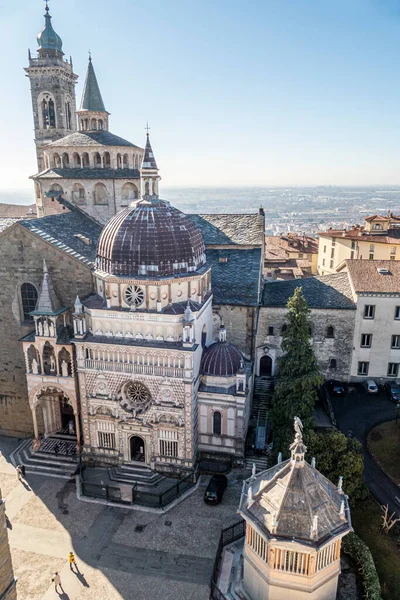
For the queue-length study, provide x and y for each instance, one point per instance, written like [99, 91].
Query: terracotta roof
[365, 275]
[17, 211]
[377, 218]
[325, 291]
[392, 236]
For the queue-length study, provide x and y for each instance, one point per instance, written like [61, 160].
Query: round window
[135, 397]
[134, 295]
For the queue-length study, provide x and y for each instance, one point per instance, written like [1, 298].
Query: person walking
[57, 582]
[72, 561]
[23, 471]
[19, 472]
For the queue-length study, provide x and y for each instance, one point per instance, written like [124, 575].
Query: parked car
[393, 389]
[336, 388]
[215, 489]
[370, 386]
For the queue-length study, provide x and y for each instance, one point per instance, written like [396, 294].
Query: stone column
[78, 430]
[8, 589]
[35, 425]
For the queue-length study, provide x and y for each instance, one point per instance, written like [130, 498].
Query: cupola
[48, 40]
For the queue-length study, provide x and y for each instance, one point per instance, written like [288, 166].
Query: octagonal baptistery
[152, 239]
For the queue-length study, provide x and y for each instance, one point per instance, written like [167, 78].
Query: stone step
[261, 462]
[43, 463]
[124, 474]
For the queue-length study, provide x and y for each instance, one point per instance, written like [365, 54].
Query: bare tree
[388, 521]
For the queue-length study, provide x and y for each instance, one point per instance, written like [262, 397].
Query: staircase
[144, 478]
[261, 399]
[260, 461]
[45, 463]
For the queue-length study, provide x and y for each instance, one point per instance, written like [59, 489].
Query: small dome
[150, 238]
[48, 39]
[221, 359]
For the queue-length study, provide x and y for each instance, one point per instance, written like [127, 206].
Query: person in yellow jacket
[71, 558]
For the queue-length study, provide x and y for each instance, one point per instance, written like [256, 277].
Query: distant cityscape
[301, 210]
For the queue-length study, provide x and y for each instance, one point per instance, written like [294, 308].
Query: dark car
[336, 388]
[215, 489]
[393, 389]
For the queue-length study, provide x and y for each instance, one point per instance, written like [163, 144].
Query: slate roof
[62, 230]
[365, 277]
[221, 229]
[236, 281]
[325, 291]
[295, 495]
[88, 173]
[91, 138]
[149, 161]
[91, 98]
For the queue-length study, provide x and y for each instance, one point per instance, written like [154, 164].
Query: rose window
[134, 295]
[135, 397]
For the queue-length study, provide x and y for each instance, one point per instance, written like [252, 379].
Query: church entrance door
[137, 449]
[265, 366]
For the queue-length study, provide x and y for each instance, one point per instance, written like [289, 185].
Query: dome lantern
[48, 40]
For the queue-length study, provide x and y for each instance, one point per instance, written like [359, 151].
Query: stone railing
[137, 369]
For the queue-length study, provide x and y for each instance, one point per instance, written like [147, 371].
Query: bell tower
[52, 89]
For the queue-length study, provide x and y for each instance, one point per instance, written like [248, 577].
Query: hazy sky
[262, 92]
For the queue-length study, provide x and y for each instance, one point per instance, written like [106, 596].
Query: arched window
[68, 114]
[203, 336]
[217, 421]
[377, 227]
[126, 161]
[129, 192]
[333, 363]
[76, 160]
[100, 194]
[107, 160]
[55, 187]
[330, 331]
[101, 125]
[94, 124]
[29, 298]
[48, 113]
[65, 160]
[49, 359]
[119, 161]
[57, 160]
[283, 328]
[97, 159]
[78, 193]
[85, 160]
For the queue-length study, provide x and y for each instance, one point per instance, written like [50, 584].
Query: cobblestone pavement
[121, 553]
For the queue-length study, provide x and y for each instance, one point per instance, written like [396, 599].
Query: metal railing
[104, 365]
[228, 535]
[112, 493]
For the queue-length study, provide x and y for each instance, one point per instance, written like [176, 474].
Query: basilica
[130, 324]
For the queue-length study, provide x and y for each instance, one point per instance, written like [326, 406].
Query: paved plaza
[121, 553]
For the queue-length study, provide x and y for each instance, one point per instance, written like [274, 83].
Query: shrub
[361, 554]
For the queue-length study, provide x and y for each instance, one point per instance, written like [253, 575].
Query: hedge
[361, 554]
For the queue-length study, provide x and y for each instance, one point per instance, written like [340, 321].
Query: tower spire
[149, 170]
[48, 302]
[92, 113]
[48, 40]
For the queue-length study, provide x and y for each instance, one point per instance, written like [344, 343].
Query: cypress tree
[299, 376]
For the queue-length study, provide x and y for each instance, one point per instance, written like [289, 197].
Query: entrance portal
[265, 366]
[137, 449]
[67, 417]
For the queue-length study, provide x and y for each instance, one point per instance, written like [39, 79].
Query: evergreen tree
[337, 455]
[299, 377]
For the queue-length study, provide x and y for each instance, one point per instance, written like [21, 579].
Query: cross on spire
[147, 128]
[47, 5]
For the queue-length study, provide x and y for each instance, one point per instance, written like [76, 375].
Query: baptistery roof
[150, 238]
[221, 359]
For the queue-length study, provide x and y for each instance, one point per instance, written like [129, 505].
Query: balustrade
[138, 369]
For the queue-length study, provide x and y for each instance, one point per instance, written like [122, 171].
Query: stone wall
[239, 322]
[8, 590]
[22, 261]
[339, 347]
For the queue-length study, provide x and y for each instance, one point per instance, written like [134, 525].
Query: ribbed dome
[150, 238]
[48, 39]
[221, 359]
